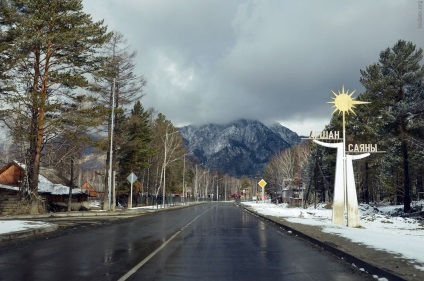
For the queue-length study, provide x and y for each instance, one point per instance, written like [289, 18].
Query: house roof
[53, 176]
[3, 186]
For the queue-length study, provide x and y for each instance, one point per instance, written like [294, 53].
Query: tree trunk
[406, 182]
[399, 190]
[106, 181]
[366, 192]
[420, 181]
[71, 183]
[34, 153]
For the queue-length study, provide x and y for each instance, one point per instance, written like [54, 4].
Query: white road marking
[145, 260]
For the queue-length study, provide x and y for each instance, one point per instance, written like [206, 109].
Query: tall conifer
[390, 86]
[47, 49]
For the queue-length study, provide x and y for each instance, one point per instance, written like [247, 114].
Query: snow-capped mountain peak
[239, 148]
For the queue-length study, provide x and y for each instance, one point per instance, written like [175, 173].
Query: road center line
[145, 260]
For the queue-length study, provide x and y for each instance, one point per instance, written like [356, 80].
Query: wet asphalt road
[214, 241]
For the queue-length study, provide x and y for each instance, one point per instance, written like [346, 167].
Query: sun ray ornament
[343, 102]
[345, 199]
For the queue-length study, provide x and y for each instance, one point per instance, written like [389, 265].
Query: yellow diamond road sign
[262, 183]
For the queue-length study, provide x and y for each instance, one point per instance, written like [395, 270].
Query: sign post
[131, 178]
[262, 184]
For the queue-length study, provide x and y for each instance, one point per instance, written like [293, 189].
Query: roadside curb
[124, 212]
[87, 214]
[74, 214]
[369, 268]
[28, 232]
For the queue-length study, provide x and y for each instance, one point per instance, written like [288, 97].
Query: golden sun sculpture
[344, 102]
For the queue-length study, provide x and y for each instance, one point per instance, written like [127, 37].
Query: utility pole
[225, 190]
[111, 145]
[196, 183]
[164, 168]
[184, 181]
[217, 195]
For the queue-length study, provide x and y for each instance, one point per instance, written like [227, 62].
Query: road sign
[262, 184]
[132, 178]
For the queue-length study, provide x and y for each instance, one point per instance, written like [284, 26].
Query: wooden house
[12, 175]
[52, 187]
[89, 189]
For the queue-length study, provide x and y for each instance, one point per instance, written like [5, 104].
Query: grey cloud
[216, 61]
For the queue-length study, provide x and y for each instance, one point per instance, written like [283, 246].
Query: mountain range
[240, 148]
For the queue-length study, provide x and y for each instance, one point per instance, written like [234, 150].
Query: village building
[89, 189]
[52, 190]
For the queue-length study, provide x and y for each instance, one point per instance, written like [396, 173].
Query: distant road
[212, 241]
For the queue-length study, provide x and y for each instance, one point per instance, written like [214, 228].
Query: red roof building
[88, 188]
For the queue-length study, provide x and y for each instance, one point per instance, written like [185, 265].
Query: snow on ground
[9, 226]
[380, 227]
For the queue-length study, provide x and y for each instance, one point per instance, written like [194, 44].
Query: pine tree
[135, 150]
[390, 87]
[47, 49]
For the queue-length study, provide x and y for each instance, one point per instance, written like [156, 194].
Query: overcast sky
[215, 61]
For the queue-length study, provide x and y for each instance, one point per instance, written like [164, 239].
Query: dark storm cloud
[216, 61]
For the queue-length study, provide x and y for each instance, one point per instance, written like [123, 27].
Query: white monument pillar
[339, 190]
[352, 199]
[344, 184]
[345, 197]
